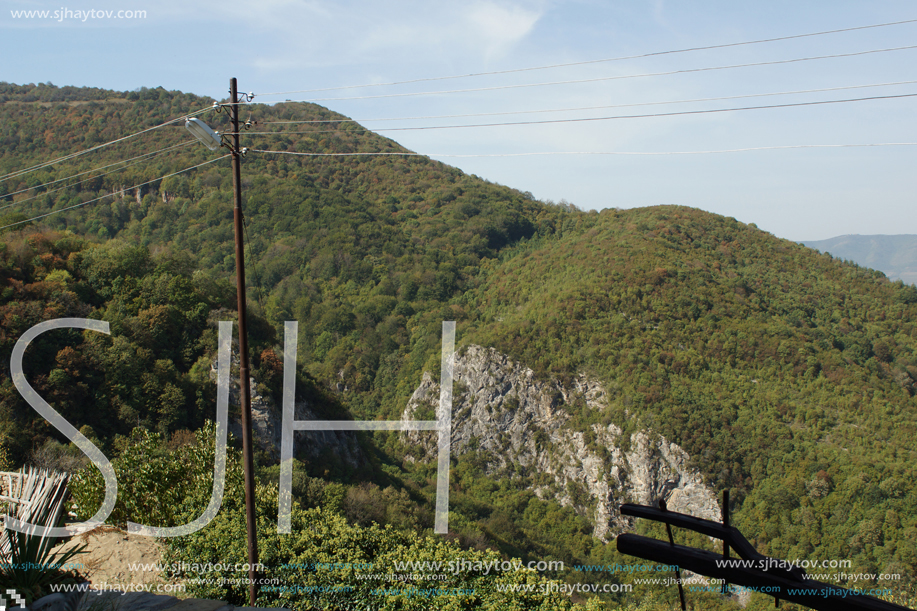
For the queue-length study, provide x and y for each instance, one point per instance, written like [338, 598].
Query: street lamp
[202, 132]
[212, 140]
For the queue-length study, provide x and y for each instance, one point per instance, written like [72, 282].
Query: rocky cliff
[522, 426]
[267, 423]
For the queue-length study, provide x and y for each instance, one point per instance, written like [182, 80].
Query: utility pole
[213, 140]
[244, 383]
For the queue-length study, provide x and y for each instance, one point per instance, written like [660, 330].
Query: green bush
[153, 480]
[317, 565]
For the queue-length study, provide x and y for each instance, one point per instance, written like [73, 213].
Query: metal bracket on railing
[778, 578]
[668, 530]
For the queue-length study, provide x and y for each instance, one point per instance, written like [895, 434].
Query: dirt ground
[109, 554]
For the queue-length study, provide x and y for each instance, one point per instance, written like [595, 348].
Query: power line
[661, 114]
[34, 168]
[707, 152]
[523, 112]
[28, 199]
[585, 119]
[41, 216]
[536, 154]
[596, 61]
[613, 78]
[126, 162]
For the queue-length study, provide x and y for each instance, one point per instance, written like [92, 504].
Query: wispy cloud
[499, 26]
[658, 11]
[483, 30]
[280, 35]
[307, 32]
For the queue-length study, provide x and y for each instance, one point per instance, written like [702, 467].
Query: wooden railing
[760, 573]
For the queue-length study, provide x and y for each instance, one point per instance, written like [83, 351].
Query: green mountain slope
[775, 368]
[350, 247]
[787, 375]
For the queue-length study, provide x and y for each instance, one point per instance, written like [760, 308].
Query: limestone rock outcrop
[522, 427]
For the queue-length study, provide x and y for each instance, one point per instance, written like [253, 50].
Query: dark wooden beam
[780, 584]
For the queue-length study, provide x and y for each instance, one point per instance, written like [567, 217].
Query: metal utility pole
[244, 384]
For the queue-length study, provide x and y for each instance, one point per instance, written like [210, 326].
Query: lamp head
[202, 132]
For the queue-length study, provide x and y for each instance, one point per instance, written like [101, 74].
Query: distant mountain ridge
[894, 255]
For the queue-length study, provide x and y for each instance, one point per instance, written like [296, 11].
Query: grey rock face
[521, 425]
[267, 425]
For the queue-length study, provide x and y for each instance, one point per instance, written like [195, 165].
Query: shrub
[153, 480]
[317, 565]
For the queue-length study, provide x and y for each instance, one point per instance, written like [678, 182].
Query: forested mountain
[787, 375]
[894, 255]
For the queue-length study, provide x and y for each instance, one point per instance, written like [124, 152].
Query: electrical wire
[126, 161]
[406, 154]
[28, 199]
[596, 61]
[613, 78]
[41, 216]
[524, 112]
[34, 168]
[584, 119]
[534, 154]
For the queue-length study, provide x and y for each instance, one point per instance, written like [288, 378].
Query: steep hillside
[786, 375]
[351, 247]
[781, 374]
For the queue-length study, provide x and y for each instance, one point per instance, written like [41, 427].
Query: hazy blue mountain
[895, 255]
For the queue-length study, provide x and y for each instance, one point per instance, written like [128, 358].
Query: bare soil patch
[114, 557]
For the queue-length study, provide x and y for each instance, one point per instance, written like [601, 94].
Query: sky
[299, 46]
